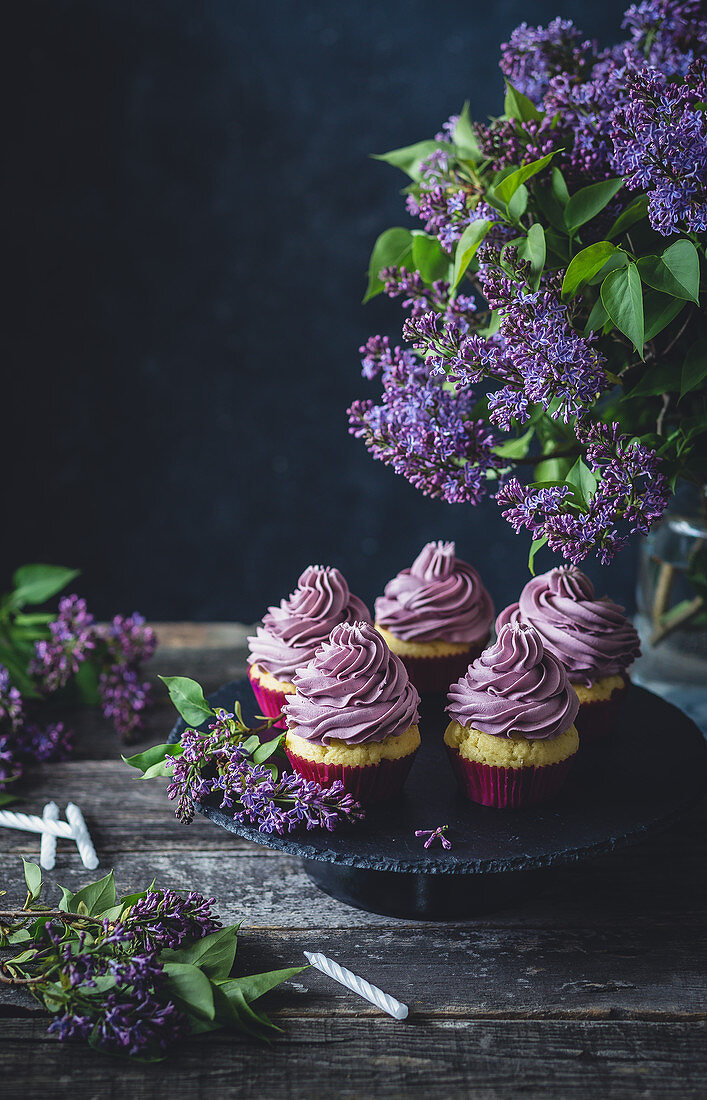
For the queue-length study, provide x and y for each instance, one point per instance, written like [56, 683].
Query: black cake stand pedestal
[636, 782]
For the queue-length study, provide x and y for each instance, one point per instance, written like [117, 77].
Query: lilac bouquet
[555, 353]
[44, 653]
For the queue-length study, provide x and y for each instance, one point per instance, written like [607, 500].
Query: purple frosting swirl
[439, 598]
[592, 637]
[353, 689]
[515, 688]
[291, 633]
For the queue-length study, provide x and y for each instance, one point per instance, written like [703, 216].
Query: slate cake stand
[619, 792]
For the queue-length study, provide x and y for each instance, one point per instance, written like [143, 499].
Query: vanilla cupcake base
[509, 772]
[599, 706]
[374, 772]
[432, 666]
[269, 692]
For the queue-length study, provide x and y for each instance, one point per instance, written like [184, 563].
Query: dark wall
[191, 210]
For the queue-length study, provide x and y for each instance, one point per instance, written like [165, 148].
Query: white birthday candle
[82, 836]
[30, 823]
[47, 850]
[358, 985]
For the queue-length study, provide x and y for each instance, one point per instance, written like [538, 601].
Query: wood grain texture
[593, 987]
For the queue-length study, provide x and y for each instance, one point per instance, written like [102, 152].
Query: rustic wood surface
[594, 987]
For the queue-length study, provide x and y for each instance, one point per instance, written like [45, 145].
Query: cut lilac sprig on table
[134, 975]
[435, 834]
[231, 764]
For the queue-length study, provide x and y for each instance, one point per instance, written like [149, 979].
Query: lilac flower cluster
[669, 34]
[537, 354]
[21, 742]
[426, 431]
[660, 145]
[420, 299]
[163, 918]
[135, 1017]
[73, 637]
[118, 649]
[631, 491]
[533, 55]
[216, 765]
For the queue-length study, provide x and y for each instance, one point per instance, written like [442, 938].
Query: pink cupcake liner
[367, 783]
[507, 788]
[432, 675]
[597, 720]
[269, 702]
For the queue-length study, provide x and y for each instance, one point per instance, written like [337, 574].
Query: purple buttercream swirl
[515, 688]
[354, 689]
[291, 633]
[439, 598]
[592, 637]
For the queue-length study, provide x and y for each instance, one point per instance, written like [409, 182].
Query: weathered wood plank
[350, 1059]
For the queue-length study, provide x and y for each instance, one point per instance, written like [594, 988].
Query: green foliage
[199, 976]
[188, 698]
[585, 265]
[623, 301]
[392, 249]
[467, 246]
[588, 202]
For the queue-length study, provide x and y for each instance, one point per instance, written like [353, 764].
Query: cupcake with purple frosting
[435, 616]
[511, 740]
[353, 716]
[292, 632]
[592, 637]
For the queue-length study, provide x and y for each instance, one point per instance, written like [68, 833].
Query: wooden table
[594, 988]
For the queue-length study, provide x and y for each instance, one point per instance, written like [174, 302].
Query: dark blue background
[191, 209]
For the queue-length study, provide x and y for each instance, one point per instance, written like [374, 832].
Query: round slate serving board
[639, 781]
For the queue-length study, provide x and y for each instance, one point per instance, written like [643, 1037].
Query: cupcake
[353, 715]
[592, 637]
[512, 737]
[291, 633]
[435, 616]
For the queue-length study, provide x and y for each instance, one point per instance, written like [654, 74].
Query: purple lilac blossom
[631, 492]
[533, 55]
[72, 639]
[660, 146]
[213, 765]
[165, 919]
[424, 431]
[669, 34]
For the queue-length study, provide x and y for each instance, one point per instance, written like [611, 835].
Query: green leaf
[660, 378]
[390, 250]
[467, 245]
[234, 1012]
[535, 545]
[188, 698]
[536, 253]
[517, 105]
[550, 208]
[36, 583]
[464, 135]
[86, 680]
[552, 469]
[623, 301]
[582, 480]
[617, 260]
[515, 448]
[255, 985]
[518, 204]
[267, 749]
[675, 272]
[429, 258]
[559, 187]
[584, 265]
[7, 799]
[633, 213]
[589, 201]
[694, 369]
[659, 311]
[33, 878]
[143, 761]
[187, 984]
[506, 189]
[96, 897]
[214, 954]
[408, 158]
